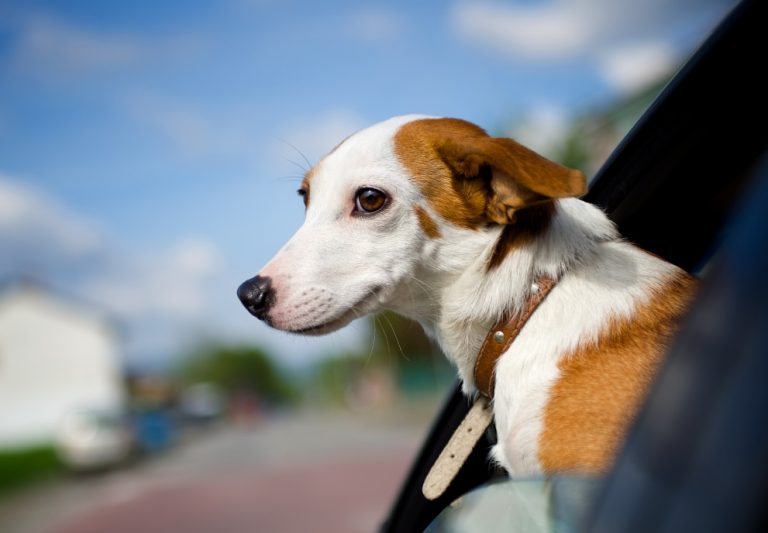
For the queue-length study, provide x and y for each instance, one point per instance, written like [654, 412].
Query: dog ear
[515, 176]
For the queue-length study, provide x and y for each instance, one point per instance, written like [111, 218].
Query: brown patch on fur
[603, 383]
[472, 179]
[529, 223]
[428, 225]
[306, 182]
[461, 202]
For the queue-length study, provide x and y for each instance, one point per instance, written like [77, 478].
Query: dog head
[391, 209]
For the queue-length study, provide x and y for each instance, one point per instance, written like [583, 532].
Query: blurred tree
[416, 361]
[576, 150]
[240, 369]
[396, 357]
[334, 376]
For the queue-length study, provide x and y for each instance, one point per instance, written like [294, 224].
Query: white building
[56, 358]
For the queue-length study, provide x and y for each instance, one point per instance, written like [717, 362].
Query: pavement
[317, 472]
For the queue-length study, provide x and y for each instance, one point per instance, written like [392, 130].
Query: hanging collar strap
[502, 335]
[480, 416]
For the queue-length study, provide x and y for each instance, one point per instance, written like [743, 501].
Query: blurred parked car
[92, 439]
[155, 429]
[201, 403]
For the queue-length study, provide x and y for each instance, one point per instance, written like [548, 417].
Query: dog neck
[465, 296]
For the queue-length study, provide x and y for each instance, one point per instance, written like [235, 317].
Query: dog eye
[304, 195]
[369, 200]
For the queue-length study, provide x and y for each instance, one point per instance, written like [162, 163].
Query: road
[309, 472]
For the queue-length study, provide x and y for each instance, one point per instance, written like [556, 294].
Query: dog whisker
[429, 292]
[293, 178]
[394, 333]
[373, 341]
[291, 145]
[296, 164]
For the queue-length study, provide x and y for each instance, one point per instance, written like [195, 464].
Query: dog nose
[257, 296]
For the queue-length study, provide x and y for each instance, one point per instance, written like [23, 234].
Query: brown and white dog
[436, 220]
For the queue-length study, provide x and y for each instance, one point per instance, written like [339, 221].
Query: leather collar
[502, 335]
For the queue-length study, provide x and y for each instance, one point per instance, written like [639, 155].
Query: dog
[438, 221]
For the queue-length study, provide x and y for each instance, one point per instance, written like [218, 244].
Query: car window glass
[525, 506]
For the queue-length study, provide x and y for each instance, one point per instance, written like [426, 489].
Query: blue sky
[145, 163]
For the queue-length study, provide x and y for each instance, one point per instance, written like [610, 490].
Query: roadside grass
[21, 467]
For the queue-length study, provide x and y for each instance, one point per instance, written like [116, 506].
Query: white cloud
[605, 32]
[50, 43]
[172, 283]
[543, 128]
[49, 46]
[154, 294]
[553, 30]
[190, 128]
[316, 136]
[197, 256]
[35, 231]
[632, 67]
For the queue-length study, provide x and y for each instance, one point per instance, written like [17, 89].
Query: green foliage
[333, 376]
[20, 467]
[240, 369]
[395, 346]
[576, 149]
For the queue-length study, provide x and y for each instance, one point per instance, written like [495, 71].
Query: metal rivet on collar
[535, 288]
[498, 337]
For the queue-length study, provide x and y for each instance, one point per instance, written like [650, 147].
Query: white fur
[609, 284]
[330, 267]
[333, 262]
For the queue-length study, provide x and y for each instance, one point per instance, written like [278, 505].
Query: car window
[529, 506]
